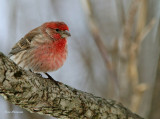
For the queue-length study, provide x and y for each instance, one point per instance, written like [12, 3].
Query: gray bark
[37, 94]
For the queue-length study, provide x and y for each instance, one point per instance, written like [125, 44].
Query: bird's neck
[60, 45]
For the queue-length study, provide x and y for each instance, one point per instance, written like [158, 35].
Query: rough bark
[37, 94]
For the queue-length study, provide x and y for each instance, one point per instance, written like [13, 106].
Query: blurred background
[113, 51]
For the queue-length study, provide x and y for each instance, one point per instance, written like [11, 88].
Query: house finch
[43, 49]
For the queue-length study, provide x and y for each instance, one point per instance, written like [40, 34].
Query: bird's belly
[49, 62]
[49, 59]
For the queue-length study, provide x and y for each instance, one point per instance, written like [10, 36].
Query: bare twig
[120, 11]
[128, 28]
[132, 46]
[142, 15]
[102, 48]
[144, 32]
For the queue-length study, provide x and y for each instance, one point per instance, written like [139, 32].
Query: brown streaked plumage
[25, 42]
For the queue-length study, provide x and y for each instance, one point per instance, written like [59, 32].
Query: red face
[56, 30]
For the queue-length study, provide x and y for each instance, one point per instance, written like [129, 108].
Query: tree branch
[37, 94]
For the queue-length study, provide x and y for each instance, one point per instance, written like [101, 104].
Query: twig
[103, 50]
[132, 49]
[128, 27]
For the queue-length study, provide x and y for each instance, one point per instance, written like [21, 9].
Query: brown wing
[25, 42]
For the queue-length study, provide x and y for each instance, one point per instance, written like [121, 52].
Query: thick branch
[37, 94]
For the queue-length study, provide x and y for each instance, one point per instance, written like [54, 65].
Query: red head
[56, 30]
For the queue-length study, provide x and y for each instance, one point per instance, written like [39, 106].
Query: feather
[25, 42]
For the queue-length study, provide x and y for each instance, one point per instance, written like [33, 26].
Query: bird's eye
[57, 30]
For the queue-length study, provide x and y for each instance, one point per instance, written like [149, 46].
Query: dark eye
[57, 30]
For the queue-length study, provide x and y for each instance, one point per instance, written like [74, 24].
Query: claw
[56, 82]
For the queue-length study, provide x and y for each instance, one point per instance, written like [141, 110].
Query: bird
[43, 49]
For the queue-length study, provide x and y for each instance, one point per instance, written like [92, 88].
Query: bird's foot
[39, 74]
[35, 72]
[56, 82]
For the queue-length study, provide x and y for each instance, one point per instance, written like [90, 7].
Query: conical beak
[65, 34]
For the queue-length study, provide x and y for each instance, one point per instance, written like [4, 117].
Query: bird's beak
[65, 34]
